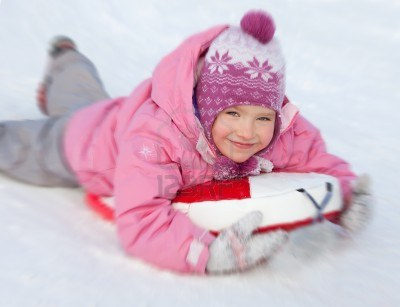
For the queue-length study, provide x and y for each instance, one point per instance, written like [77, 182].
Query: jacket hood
[173, 81]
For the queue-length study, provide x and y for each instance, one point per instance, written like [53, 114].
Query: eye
[233, 113]
[264, 118]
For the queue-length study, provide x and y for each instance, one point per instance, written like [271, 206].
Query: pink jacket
[145, 147]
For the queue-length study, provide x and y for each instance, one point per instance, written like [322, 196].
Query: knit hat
[243, 66]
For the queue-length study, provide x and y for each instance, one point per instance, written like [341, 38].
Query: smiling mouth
[242, 145]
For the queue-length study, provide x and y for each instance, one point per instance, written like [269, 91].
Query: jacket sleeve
[146, 180]
[309, 154]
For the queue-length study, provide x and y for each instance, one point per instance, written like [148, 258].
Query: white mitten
[237, 248]
[359, 212]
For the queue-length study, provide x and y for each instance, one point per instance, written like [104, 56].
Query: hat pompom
[258, 24]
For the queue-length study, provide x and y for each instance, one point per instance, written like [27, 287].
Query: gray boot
[71, 80]
[59, 44]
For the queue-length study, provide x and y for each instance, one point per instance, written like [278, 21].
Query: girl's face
[241, 131]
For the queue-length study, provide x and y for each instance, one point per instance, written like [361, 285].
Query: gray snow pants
[32, 150]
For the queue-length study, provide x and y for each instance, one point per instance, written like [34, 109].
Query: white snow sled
[287, 201]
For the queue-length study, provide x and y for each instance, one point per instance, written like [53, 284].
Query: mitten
[237, 248]
[359, 211]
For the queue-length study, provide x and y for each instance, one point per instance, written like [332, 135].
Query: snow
[343, 72]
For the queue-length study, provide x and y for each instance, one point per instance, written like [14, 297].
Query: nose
[245, 130]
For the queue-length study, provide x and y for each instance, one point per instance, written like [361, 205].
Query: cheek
[220, 130]
[266, 135]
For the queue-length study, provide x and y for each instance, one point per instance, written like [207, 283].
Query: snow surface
[343, 72]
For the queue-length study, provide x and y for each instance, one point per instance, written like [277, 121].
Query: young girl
[215, 108]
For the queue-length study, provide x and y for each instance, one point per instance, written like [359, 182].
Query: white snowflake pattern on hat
[258, 68]
[219, 63]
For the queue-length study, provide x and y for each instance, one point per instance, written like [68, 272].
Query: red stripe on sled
[291, 226]
[97, 205]
[215, 190]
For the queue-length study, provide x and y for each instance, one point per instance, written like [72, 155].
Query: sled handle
[320, 207]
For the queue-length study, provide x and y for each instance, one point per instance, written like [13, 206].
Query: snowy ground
[343, 72]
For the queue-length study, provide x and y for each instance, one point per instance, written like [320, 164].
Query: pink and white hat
[243, 66]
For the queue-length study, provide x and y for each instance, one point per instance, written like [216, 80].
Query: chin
[239, 159]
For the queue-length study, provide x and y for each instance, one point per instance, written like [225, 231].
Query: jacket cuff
[198, 253]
